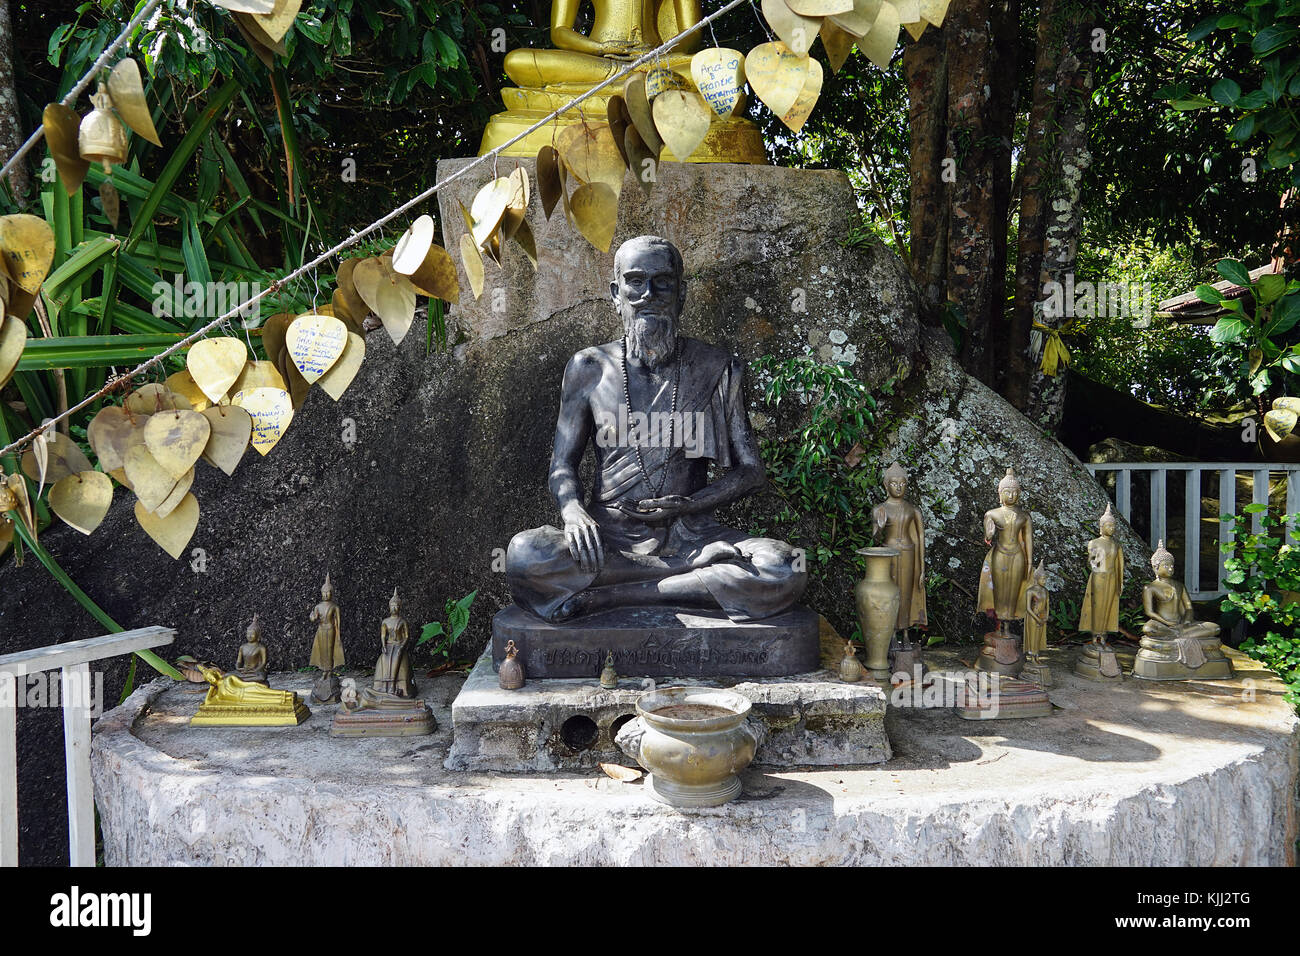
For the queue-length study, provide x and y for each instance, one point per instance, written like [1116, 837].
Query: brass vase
[877, 599]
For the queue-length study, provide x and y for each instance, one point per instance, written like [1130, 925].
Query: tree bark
[12, 135]
[925, 69]
[1062, 212]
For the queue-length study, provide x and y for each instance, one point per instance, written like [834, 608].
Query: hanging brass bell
[102, 139]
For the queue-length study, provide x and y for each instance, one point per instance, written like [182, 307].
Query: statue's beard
[651, 340]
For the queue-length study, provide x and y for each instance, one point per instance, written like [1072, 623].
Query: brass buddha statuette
[1100, 613]
[234, 702]
[899, 525]
[389, 707]
[251, 662]
[327, 646]
[1004, 577]
[1037, 606]
[1176, 646]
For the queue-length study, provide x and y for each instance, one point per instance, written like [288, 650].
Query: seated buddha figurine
[658, 409]
[622, 31]
[250, 665]
[1176, 646]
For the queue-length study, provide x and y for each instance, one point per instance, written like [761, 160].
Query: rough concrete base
[1134, 774]
[553, 724]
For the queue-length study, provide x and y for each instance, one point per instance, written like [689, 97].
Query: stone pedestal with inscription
[809, 720]
[657, 642]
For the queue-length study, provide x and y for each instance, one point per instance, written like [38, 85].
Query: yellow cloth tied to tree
[1054, 351]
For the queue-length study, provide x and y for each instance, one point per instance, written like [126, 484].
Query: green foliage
[1270, 31]
[821, 449]
[1263, 581]
[444, 635]
[1259, 330]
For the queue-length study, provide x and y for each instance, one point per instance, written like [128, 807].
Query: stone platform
[809, 720]
[656, 642]
[1132, 774]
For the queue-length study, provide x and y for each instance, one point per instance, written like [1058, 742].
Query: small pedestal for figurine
[1001, 654]
[995, 697]
[1037, 672]
[1166, 660]
[368, 715]
[1098, 662]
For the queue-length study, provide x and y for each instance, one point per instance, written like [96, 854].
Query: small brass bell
[609, 676]
[510, 675]
[102, 138]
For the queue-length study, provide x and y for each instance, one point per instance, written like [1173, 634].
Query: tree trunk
[925, 68]
[12, 134]
[1062, 213]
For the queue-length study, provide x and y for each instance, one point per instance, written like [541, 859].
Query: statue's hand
[615, 48]
[660, 510]
[583, 536]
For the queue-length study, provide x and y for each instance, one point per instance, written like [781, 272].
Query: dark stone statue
[659, 408]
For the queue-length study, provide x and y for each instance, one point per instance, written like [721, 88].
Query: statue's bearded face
[648, 294]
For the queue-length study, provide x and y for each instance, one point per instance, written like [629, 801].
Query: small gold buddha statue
[250, 665]
[232, 701]
[1176, 646]
[622, 31]
[1004, 577]
[898, 524]
[327, 646]
[1037, 606]
[1099, 615]
[389, 707]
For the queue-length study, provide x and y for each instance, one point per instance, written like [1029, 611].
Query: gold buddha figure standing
[1005, 576]
[1099, 615]
[622, 31]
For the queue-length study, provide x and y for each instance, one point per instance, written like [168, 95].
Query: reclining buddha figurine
[622, 31]
[234, 702]
[1176, 646]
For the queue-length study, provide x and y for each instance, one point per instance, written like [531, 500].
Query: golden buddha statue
[1037, 606]
[623, 31]
[1099, 615]
[234, 702]
[1176, 646]
[251, 662]
[1005, 576]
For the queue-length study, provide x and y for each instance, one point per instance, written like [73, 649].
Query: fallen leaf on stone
[621, 774]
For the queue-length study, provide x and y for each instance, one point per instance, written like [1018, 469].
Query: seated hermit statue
[658, 408]
[621, 32]
[1176, 646]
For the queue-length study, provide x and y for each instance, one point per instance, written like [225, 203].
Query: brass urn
[877, 598]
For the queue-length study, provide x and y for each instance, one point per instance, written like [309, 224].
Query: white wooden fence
[1220, 484]
[73, 660]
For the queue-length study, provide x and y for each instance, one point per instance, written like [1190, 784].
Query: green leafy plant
[1263, 581]
[1260, 331]
[444, 635]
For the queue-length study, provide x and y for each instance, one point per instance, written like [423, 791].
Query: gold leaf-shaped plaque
[119, 475]
[259, 41]
[916, 29]
[487, 210]
[13, 339]
[838, 44]
[719, 75]
[1287, 402]
[177, 495]
[6, 533]
[909, 11]
[127, 92]
[173, 532]
[819, 8]
[155, 397]
[682, 119]
[517, 208]
[176, 440]
[111, 202]
[548, 178]
[150, 481]
[589, 152]
[527, 242]
[182, 383]
[271, 410]
[298, 386]
[879, 44]
[22, 502]
[315, 343]
[274, 328]
[338, 308]
[798, 114]
[215, 364]
[259, 374]
[63, 458]
[83, 499]
[777, 75]
[231, 431]
[859, 20]
[1280, 422]
[425, 263]
[620, 120]
[28, 246]
[277, 23]
[389, 295]
[473, 262]
[643, 163]
[659, 79]
[638, 107]
[594, 212]
[247, 6]
[61, 126]
[111, 432]
[934, 11]
[340, 376]
[795, 31]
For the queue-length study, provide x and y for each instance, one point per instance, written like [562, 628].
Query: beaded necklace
[672, 418]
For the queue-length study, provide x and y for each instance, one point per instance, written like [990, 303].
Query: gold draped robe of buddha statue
[622, 31]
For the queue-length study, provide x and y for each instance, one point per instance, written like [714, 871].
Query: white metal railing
[73, 660]
[1194, 489]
